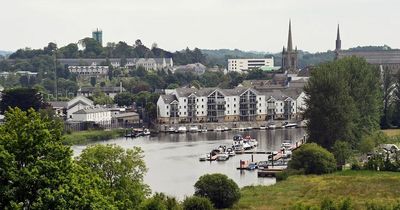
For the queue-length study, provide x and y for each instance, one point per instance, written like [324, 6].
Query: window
[202, 106]
[180, 107]
[281, 110]
[227, 105]
[281, 104]
[234, 99]
[184, 107]
[228, 112]
[234, 111]
[234, 105]
[167, 113]
[167, 107]
[202, 99]
[197, 100]
[202, 112]
[184, 113]
[184, 100]
[179, 113]
[259, 111]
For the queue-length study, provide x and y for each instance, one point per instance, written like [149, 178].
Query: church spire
[290, 45]
[338, 41]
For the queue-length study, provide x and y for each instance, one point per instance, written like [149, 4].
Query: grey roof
[375, 57]
[91, 110]
[115, 89]
[168, 98]
[126, 114]
[54, 104]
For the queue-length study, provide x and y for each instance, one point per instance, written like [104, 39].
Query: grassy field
[360, 186]
[84, 137]
[392, 132]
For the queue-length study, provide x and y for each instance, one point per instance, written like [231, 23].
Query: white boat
[222, 157]
[271, 126]
[226, 128]
[231, 152]
[219, 129]
[263, 127]
[204, 157]
[249, 128]
[251, 141]
[194, 129]
[182, 129]
[203, 130]
[146, 132]
[289, 125]
[171, 130]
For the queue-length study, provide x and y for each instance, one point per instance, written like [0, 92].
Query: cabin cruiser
[263, 127]
[194, 129]
[146, 132]
[219, 129]
[271, 126]
[222, 157]
[253, 142]
[289, 125]
[230, 151]
[182, 129]
[239, 143]
[171, 130]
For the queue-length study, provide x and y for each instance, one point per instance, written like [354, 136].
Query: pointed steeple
[290, 45]
[338, 41]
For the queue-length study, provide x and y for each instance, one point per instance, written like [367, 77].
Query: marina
[173, 159]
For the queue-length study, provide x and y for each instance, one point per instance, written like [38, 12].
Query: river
[173, 159]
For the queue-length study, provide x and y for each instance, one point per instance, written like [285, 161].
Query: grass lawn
[392, 132]
[84, 137]
[360, 186]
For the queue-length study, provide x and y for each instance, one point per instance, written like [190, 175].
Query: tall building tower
[98, 36]
[338, 46]
[289, 56]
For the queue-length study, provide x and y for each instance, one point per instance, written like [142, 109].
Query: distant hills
[220, 56]
[5, 53]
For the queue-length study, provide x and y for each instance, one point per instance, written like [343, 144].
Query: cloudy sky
[259, 25]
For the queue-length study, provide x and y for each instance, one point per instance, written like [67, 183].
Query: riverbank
[85, 137]
[360, 186]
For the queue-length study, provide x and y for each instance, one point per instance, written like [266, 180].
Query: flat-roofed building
[244, 65]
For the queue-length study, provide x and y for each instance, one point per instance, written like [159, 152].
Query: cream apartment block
[187, 105]
[244, 65]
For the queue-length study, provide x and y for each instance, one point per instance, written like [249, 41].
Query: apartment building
[89, 71]
[187, 105]
[244, 65]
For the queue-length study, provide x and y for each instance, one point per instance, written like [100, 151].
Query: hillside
[360, 186]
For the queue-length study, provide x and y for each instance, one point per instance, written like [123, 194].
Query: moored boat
[182, 129]
[194, 129]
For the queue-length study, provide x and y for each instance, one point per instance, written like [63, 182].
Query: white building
[244, 65]
[89, 71]
[92, 114]
[76, 104]
[187, 105]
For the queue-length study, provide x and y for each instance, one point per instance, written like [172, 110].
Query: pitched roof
[91, 110]
[57, 104]
[168, 98]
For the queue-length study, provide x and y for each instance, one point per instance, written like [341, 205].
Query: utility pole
[55, 74]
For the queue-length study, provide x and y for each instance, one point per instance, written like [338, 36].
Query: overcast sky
[259, 25]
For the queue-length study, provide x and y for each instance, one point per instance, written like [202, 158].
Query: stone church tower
[338, 43]
[289, 56]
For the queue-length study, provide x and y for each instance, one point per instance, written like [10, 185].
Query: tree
[100, 98]
[123, 171]
[172, 86]
[124, 99]
[222, 191]
[388, 88]
[341, 152]
[197, 203]
[33, 160]
[343, 102]
[23, 98]
[160, 202]
[313, 159]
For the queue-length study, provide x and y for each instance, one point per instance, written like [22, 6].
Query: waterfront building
[74, 105]
[191, 105]
[244, 65]
[93, 114]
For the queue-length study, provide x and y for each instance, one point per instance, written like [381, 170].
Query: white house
[93, 114]
[76, 104]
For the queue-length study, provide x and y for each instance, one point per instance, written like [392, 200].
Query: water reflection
[172, 159]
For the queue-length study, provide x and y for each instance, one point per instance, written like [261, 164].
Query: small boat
[249, 128]
[182, 129]
[146, 132]
[263, 127]
[203, 130]
[204, 157]
[219, 129]
[231, 152]
[252, 166]
[171, 130]
[289, 125]
[271, 126]
[222, 157]
[251, 141]
[226, 128]
[286, 145]
[193, 129]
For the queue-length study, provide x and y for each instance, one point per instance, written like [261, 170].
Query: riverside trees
[344, 102]
[37, 171]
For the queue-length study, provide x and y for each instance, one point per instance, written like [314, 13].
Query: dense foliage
[222, 191]
[23, 98]
[197, 203]
[343, 102]
[312, 159]
[37, 171]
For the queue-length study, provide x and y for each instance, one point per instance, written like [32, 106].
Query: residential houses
[89, 71]
[109, 91]
[191, 105]
[147, 63]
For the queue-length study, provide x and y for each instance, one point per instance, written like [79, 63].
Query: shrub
[160, 202]
[286, 173]
[222, 191]
[342, 152]
[313, 159]
[197, 203]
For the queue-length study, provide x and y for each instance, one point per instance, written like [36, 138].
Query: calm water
[172, 159]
